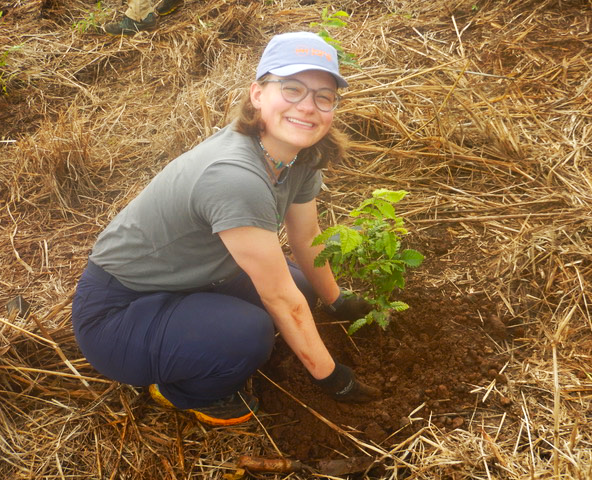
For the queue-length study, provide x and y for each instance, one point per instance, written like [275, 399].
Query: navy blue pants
[198, 346]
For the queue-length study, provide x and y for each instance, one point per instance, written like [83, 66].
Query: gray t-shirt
[167, 237]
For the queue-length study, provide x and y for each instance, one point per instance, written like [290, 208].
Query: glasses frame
[281, 81]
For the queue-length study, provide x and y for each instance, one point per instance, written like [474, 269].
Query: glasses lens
[326, 99]
[293, 90]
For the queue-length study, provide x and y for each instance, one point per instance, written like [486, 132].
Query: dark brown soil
[429, 361]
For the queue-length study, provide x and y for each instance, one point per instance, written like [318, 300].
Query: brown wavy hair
[329, 149]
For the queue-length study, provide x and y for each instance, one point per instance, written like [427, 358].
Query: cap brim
[301, 67]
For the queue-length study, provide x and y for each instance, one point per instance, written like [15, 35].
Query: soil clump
[435, 361]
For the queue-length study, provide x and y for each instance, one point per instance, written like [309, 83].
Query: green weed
[336, 20]
[93, 21]
[3, 61]
[370, 252]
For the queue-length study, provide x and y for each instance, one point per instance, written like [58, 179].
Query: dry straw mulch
[481, 109]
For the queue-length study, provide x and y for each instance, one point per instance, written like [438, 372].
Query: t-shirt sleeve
[229, 196]
[310, 187]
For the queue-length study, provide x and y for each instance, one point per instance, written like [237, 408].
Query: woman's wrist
[323, 371]
[334, 301]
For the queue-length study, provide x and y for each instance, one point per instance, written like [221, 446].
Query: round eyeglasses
[294, 91]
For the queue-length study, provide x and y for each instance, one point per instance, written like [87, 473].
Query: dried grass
[482, 114]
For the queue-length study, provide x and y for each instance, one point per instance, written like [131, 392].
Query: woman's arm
[259, 254]
[302, 227]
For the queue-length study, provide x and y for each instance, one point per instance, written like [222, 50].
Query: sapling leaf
[355, 326]
[385, 209]
[371, 253]
[326, 254]
[323, 238]
[395, 279]
[365, 207]
[383, 319]
[349, 240]
[393, 196]
[391, 244]
[411, 257]
[399, 306]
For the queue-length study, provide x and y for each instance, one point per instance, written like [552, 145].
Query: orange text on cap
[305, 51]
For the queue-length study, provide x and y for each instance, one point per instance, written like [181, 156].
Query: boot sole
[164, 14]
[202, 417]
[170, 10]
[221, 422]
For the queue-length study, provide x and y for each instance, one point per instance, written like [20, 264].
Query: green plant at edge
[94, 20]
[335, 19]
[3, 60]
[370, 252]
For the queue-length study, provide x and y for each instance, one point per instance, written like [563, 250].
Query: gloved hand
[348, 307]
[343, 386]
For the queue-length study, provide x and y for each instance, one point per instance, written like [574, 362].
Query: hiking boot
[127, 26]
[237, 408]
[168, 6]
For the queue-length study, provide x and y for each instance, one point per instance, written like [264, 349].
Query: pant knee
[257, 341]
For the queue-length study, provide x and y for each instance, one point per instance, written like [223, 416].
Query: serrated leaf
[399, 306]
[391, 244]
[397, 280]
[355, 326]
[349, 240]
[341, 13]
[362, 208]
[393, 196]
[325, 237]
[383, 319]
[411, 257]
[386, 208]
[327, 254]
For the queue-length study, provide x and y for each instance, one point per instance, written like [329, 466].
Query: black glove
[343, 386]
[348, 307]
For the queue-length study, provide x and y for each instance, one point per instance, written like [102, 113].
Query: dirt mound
[436, 362]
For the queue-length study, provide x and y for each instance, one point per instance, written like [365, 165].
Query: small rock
[443, 391]
[457, 422]
[498, 329]
[375, 432]
[505, 401]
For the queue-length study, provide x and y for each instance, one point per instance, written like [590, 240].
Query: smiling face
[290, 127]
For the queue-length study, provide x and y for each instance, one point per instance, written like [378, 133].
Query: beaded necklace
[277, 164]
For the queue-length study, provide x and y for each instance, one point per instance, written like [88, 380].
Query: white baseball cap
[290, 53]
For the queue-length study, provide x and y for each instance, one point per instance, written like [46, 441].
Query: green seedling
[93, 21]
[337, 20]
[4, 56]
[371, 252]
